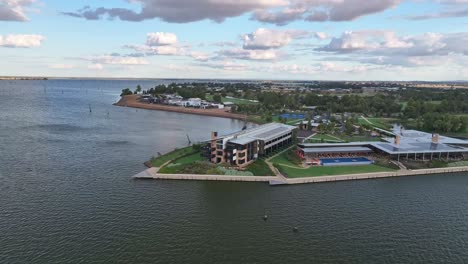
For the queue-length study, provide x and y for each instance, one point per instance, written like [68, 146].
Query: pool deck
[152, 173]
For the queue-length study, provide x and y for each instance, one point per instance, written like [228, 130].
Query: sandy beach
[132, 101]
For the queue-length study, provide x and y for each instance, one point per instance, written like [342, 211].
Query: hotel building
[244, 147]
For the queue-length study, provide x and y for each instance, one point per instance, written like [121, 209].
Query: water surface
[66, 195]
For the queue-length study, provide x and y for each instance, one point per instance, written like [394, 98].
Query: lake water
[66, 195]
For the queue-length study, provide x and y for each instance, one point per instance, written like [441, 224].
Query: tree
[349, 128]
[126, 91]
[217, 98]
[138, 89]
[309, 125]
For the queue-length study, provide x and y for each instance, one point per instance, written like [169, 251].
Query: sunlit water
[66, 195]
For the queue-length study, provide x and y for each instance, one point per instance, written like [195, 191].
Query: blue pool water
[293, 116]
[345, 161]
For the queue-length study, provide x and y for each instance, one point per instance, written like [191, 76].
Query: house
[194, 102]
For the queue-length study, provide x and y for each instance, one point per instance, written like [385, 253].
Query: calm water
[66, 195]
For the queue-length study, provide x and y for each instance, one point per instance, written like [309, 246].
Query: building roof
[264, 132]
[305, 122]
[426, 147]
[415, 136]
[337, 150]
[419, 143]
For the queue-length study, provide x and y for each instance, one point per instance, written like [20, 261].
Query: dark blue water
[66, 195]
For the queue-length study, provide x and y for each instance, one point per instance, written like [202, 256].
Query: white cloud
[200, 56]
[61, 66]
[226, 65]
[388, 43]
[242, 54]
[161, 39]
[13, 10]
[321, 35]
[96, 67]
[21, 41]
[323, 10]
[157, 50]
[180, 11]
[263, 38]
[117, 60]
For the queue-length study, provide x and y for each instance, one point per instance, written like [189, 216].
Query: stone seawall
[152, 173]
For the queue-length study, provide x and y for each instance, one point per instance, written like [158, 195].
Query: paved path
[152, 173]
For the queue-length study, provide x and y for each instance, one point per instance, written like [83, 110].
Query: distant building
[194, 102]
[244, 147]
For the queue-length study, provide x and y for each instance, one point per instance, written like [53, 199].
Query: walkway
[152, 173]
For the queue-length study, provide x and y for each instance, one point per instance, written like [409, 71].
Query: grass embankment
[326, 138]
[177, 153]
[458, 163]
[287, 158]
[417, 165]
[259, 168]
[382, 123]
[194, 163]
[329, 170]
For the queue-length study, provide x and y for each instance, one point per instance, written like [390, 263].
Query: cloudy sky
[248, 39]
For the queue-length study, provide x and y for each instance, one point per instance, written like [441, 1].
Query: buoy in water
[265, 217]
[295, 229]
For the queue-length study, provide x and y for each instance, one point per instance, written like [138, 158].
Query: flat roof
[337, 150]
[264, 132]
[409, 148]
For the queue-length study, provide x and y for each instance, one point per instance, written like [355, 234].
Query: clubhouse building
[404, 144]
[244, 147]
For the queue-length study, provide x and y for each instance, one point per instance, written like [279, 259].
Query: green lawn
[330, 170]
[259, 168]
[282, 159]
[189, 158]
[357, 138]
[317, 138]
[158, 161]
[383, 123]
[232, 100]
[458, 163]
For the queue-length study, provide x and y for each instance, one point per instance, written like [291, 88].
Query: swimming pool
[345, 161]
[293, 116]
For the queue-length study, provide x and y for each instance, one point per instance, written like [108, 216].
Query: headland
[132, 101]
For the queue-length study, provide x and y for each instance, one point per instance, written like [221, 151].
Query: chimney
[214, 135]
[435, 138]
[397, 140]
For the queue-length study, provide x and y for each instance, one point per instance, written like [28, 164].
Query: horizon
[354, 40]
[225, 79]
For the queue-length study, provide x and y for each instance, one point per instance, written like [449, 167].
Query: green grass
[318, 138]
[382, 123]
[358, 138]
[158, 161]
[189, 158]
[282, 159]
[232, 100]
[259, 168]
[458, 163]
[329, 170]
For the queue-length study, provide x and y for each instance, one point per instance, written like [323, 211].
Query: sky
[236, 39]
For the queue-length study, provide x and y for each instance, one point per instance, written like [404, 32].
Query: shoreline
[131, 101]
[152, 173]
